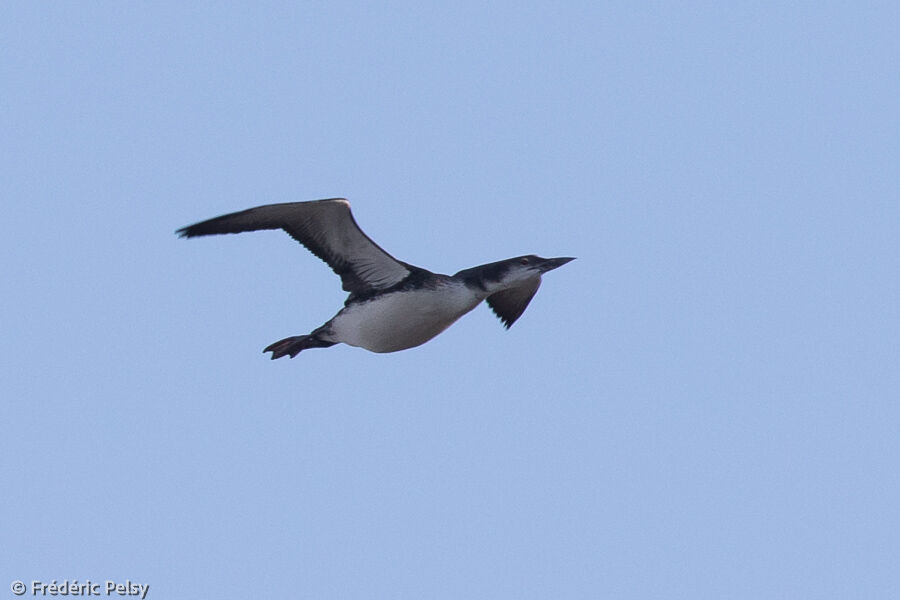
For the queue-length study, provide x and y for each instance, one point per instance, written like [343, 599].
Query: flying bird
[392, 305]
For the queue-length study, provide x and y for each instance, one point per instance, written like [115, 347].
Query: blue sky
[703, 405]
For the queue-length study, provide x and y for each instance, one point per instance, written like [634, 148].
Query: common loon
[392, 305]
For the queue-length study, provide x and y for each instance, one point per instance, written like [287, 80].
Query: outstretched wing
[511, 303]
[328, 230]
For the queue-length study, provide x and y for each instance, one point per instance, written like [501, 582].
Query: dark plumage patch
[510, 304]
[418, 278]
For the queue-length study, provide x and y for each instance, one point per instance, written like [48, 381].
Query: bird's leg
[292, 346]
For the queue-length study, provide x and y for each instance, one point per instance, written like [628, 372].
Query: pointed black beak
[554, 263]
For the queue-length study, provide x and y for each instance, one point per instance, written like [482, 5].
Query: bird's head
[510, 273]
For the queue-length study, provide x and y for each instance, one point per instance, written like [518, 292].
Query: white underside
[402, 320]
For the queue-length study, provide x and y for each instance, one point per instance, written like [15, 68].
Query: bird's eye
[523, 261]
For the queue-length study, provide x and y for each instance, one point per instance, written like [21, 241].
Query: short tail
[292, 346]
